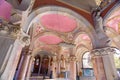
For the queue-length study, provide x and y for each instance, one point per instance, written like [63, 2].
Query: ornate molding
[102, 51]
[102, 3]
[31, 6]
[9, 28]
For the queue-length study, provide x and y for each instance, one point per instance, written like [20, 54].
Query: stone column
[11, 65]
[78, 67]
[49, 65]
[63, 66]
[53, 67]
[41, 60]
[57, 67]
[24, 67]
[58, 64]
[30, 68]
[19, 66]
[72, 62]
[104, 67]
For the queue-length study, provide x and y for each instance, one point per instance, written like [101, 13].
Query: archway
[87, 65]
[36, 65]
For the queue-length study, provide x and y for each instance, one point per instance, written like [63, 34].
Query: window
[117, 60]
[87, 65]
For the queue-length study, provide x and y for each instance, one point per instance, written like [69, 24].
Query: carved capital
[9, 28]
[72, 58]
[24, 38]
[102, 51]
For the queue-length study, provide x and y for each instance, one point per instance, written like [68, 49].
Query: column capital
[72, 58]
[24, 38]
[102, 51]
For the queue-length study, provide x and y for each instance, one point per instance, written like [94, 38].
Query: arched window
[87, 65]
[36, 64]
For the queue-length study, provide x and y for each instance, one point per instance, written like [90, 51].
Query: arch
[80, 33]
[115, 37]
[36, 64]
[112, 10]
[38, 50]
[88, 46]
[86, 65]
[45, 9]
[80, 51]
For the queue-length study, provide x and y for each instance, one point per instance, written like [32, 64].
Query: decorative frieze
[102, 51]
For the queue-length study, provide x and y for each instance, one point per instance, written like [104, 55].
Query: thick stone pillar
[11, 45]
[11, 65]
[98, 67]
[72, 62]
[24, 67]
[103, 64]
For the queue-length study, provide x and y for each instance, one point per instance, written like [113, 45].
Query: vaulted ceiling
[52, 28]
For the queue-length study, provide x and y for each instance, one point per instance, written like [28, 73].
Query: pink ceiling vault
[50, 39]
[5, 10]
[58, 22]
[114, 20]
[1, 1]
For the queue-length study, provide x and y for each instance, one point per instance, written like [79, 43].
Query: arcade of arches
[59, 39]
